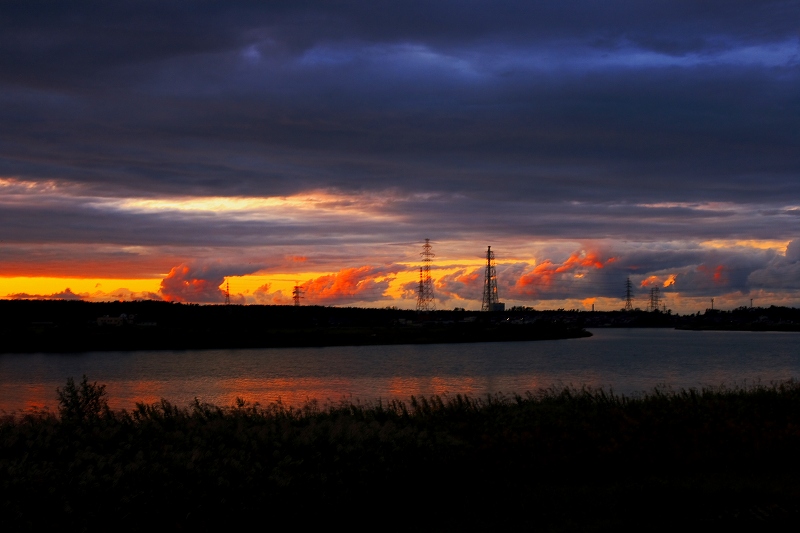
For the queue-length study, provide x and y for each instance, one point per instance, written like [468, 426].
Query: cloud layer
[140, 136]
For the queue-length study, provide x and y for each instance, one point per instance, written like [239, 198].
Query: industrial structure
[653, 305]
[491, 300]
[628, 297]
[425, 298]
[297, 294]
[227, 293]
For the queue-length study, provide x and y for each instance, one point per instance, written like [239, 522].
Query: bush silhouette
[85, 401]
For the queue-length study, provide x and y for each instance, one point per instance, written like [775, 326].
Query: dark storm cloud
[55, 213]
[68, 216]
[649, 121]
[95, 35]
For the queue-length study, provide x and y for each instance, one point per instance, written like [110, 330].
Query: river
[627, 360]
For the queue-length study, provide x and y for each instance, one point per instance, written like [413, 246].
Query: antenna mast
[491, 300]
[425, 299]
[227, 293]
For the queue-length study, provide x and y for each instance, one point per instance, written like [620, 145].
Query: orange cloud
[182, 285]
[201, 283]
[364, 283]
[652, 281]
[460, 285]
[543, 274]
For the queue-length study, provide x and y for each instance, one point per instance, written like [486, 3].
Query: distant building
[115, 320]
[110, 320]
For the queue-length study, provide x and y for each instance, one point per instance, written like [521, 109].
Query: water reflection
[625, 360]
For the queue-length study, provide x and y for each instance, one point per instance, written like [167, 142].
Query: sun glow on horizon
[43, 286]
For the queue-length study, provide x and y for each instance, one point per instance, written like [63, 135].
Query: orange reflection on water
[403, 388]
[439, 386]
[289, 391]
[332, 389]
[398, 387]
[20, 398]
[140, 391]
[32, 397]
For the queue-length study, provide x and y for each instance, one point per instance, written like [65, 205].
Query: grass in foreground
[557, 460]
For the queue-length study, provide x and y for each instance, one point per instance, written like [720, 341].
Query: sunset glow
[260, 255]
[230, 154]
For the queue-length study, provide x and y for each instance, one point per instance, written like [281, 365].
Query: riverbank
[75, 326]
[132, 338]
[560, 460]
[69, 326]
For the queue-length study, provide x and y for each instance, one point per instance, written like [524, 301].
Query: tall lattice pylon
[425, 298]
[490, 297]
[628, 297]
[654, 296]
[297, 294]
[227, 293]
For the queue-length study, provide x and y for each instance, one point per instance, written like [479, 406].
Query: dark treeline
[59, 326]
[771, 318]
[558, 460]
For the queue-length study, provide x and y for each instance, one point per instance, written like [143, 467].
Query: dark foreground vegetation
[558, 460]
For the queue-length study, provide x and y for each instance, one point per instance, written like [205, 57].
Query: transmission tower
[491, 300]
[297, 294]
[425, 299]
[628, 297]
[227, 293]
[653, 305]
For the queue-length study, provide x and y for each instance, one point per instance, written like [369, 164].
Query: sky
[161, 149]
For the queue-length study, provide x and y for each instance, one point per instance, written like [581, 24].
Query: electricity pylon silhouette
[491, 300]
[297, 294]
[425, 298]
[628, 297]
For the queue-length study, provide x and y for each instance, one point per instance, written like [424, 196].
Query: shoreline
[131, 338]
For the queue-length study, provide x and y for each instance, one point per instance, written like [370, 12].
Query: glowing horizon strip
[765, 244]
[43, 286]
[318, 202]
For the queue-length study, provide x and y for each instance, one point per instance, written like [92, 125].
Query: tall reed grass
[556, 459]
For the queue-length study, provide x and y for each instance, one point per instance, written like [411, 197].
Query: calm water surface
[629, 360]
